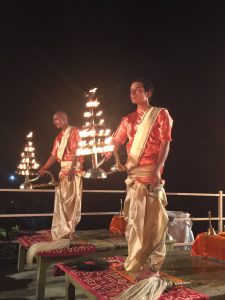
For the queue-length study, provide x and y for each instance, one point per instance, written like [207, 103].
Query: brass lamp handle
[119, 167]
[101, 162]
[52, 182]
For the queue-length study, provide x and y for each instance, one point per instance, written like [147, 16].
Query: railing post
[220, 211]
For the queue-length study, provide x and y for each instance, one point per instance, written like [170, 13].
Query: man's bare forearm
[51, 160]
[163, 153]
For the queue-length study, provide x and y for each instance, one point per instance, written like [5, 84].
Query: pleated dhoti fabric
[67, 207]
[147, 222]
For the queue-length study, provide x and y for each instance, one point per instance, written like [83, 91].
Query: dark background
[51, 52]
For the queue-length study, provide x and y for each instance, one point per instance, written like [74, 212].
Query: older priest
[68, 194]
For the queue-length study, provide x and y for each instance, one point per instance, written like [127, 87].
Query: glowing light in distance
[12, 177]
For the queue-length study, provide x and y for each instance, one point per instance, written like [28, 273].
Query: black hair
[147, 84]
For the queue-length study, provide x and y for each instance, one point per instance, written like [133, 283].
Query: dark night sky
[51, 53]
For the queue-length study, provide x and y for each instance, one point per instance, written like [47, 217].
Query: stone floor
[206, 276]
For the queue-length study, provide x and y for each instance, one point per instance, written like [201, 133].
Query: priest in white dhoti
[148, 131]
[68, 193]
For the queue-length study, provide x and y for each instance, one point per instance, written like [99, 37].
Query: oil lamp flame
[30, 135]
[93, 90]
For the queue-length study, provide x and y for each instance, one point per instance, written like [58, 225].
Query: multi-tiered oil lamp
[96, 138]
[28, 165]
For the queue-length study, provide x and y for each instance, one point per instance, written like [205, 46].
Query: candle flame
[30, 135]
[93, 150]
[101, 122]
[93, 90]
[87, 114]
[93, 104]
[99, 113]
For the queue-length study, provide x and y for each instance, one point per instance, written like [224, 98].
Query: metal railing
[219, 196]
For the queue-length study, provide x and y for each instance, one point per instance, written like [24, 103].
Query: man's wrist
[159, 167]
[44, 168]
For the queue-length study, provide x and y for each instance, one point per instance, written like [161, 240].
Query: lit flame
[91, 142]
[101, 132]
[86, 133]
[99, 113]
[36, 166]
[82, 143]
[107, 132]
[101, 122]
[87, 114]
[93, 90]
[30, 135]
[93, 104]
[93, 150]
[108, 140]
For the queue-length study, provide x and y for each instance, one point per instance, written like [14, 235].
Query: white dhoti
[147, 221]
[67, 208]
[67, 214]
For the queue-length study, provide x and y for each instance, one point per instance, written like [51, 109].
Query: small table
[99, 242]
[104, 285]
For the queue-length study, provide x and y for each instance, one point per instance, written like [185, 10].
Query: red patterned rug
[107, 284]
[79, 247]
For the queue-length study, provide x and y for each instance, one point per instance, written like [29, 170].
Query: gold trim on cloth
[63, 142]
[141, 136]
[65, 165]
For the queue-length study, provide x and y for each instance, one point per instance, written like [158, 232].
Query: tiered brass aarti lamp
[96, 138]
[28, 165]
